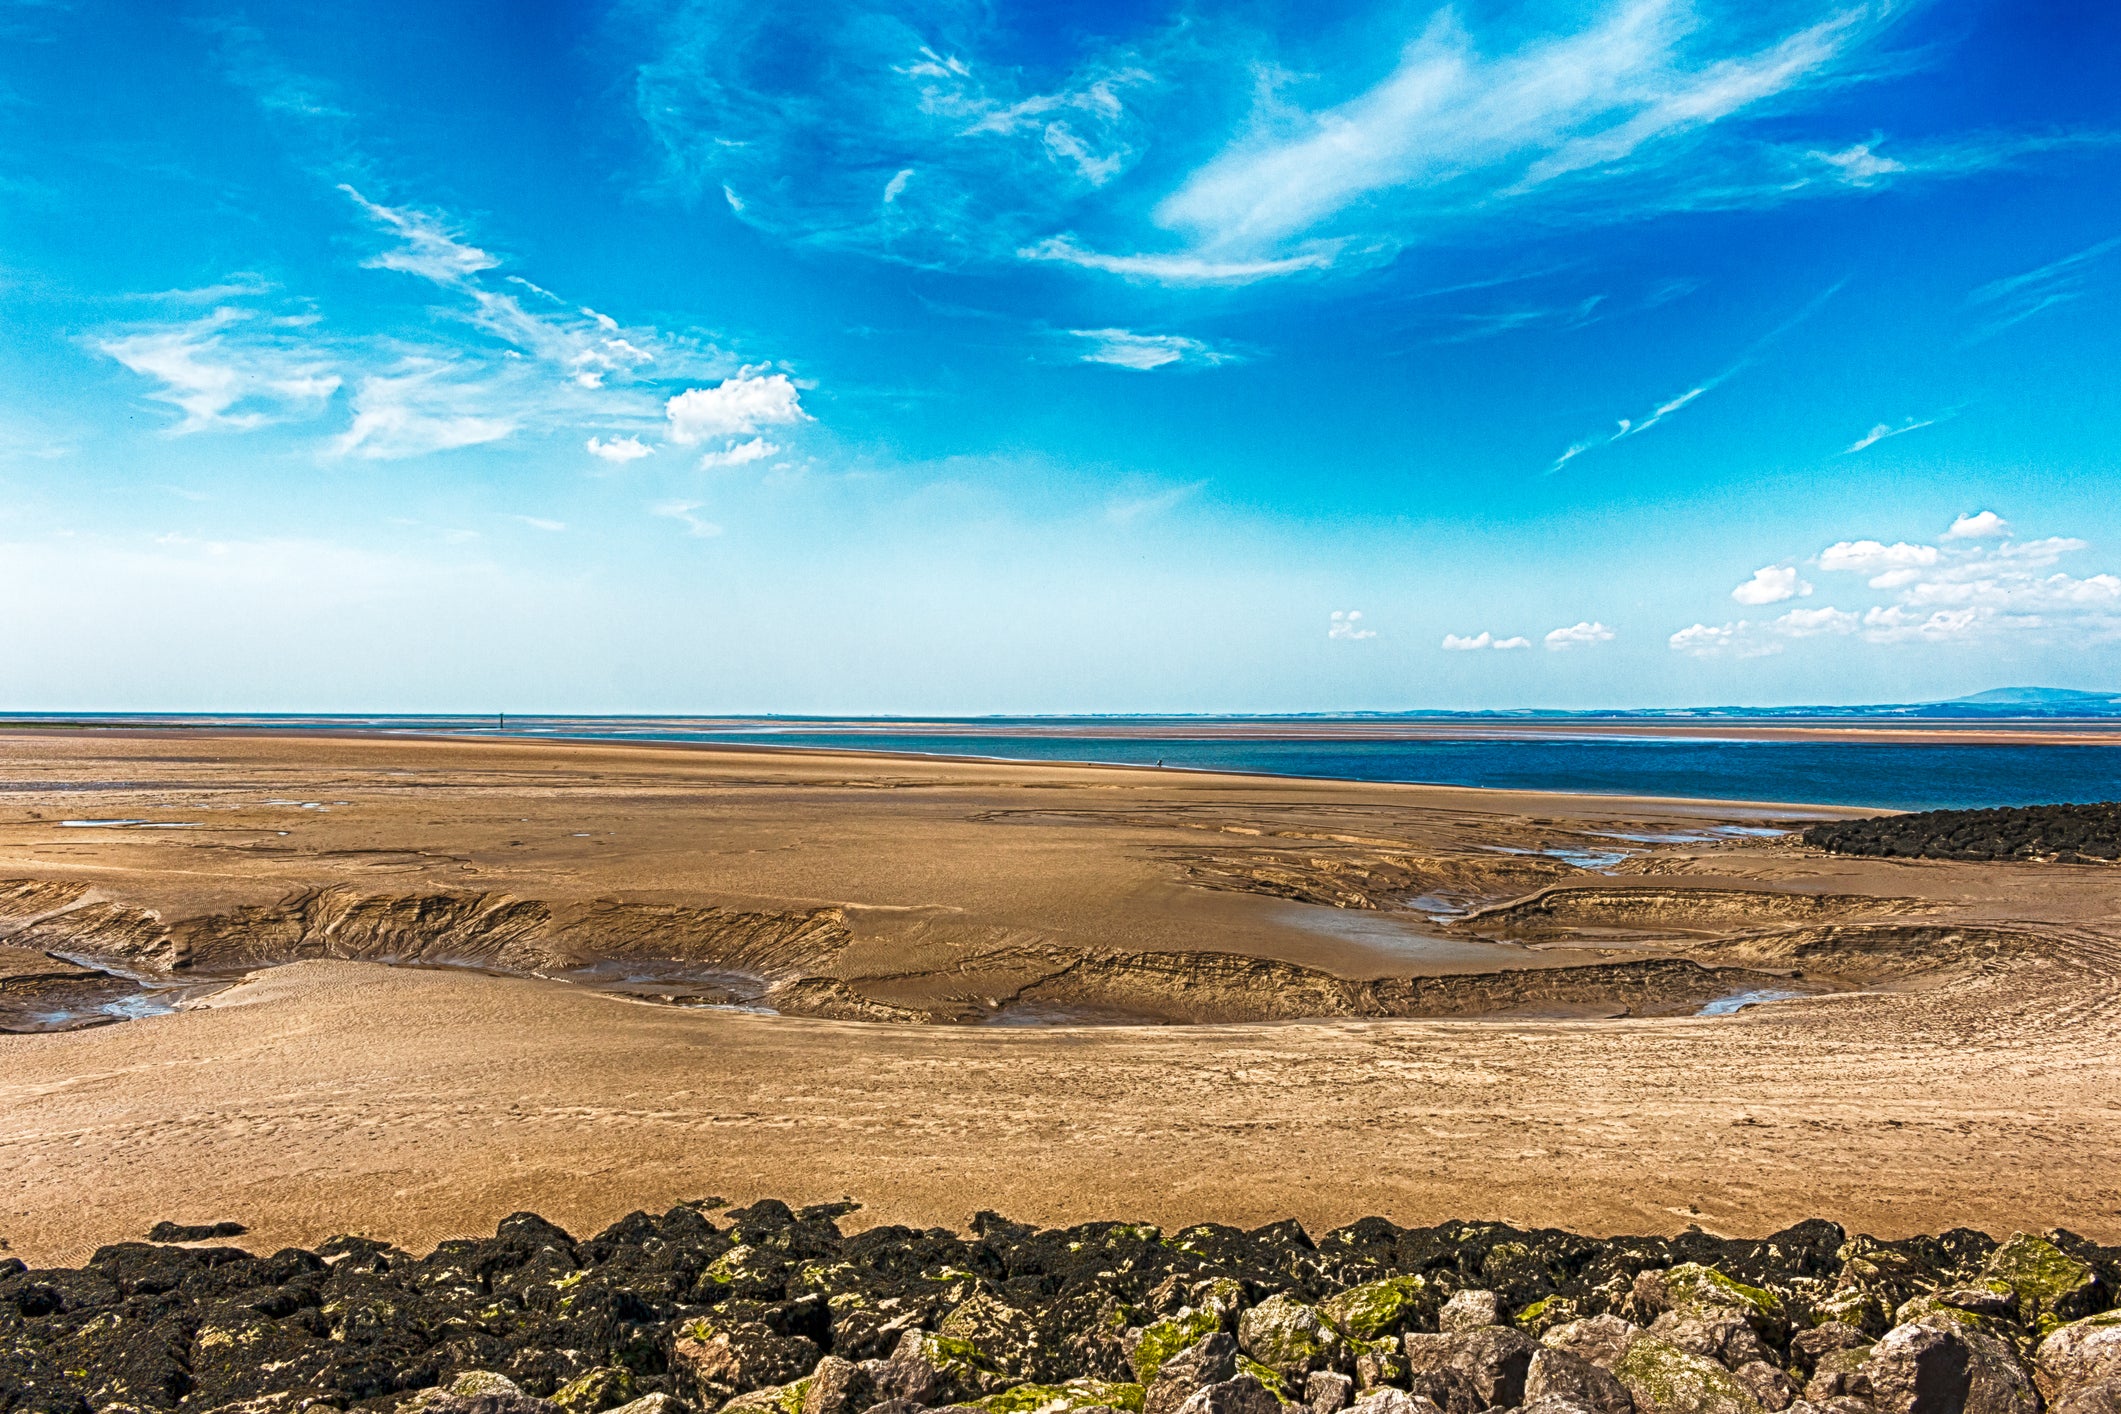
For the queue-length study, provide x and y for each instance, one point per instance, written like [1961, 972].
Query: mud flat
[414, 984]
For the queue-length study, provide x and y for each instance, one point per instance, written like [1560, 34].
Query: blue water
[1927, 775]
[1894, 776]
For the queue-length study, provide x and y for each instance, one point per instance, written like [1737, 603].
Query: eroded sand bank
[1962, 1071]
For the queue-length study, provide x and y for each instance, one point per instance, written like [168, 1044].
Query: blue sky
[840, 357]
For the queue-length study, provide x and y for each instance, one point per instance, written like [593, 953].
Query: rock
[1073, 1397]
[1835, 1375]
[712, 1363]
[1545, 1314]
[1148, 1347]
[1557, 1374]
[2101, 1398]
[1991, 1298]
[1690, 1285]
[1854, 1306]
[1002, 1334]
[2052, 1287]
[1916, 1370]
[194, 1232]
[1210, 1362]
[1325, 1392]
[2077, 1356]
[1392, 1401]
[1379, 1367]
[1667, 1380]
[1602, 1340]
[1243, 1395]
[838, 1387]
[936, 1370]
[1379, 1309]
[605, 1387]
[775, 1399]
[1472, 1370]
[1719, 1333]
[1469, 1311]
[1806, 1347]
[653, 1404]
[1775, 1390]
[1287, 1336]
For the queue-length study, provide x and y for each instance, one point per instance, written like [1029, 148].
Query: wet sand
[328, 1095]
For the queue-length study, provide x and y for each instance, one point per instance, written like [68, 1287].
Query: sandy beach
[1956, 1066]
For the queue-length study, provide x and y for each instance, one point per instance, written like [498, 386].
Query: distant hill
[2039, 697]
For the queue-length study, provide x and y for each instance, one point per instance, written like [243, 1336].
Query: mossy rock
[1667, 1380]
[2053, 1287]
[1276, 1385]
[605, 1387]
[1692, 1284]
[1928, 1310]
[774, 1399]
[1164, 1339]
[1545, 1314]
[1853, 1306]
[1286, 1335]
[1057, 1399]
[1378, 1309]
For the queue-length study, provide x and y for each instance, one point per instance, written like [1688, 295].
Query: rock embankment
[771, 1311]
[2065, 834]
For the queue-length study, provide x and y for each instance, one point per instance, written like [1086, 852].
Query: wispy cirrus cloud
[2016, 298]
[232, 369]
[1884, 430]
[1123, 348]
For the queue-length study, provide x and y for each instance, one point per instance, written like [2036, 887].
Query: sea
[1924, 774]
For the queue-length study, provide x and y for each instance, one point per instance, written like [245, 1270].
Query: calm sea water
[1891, 776]
[1927, 775]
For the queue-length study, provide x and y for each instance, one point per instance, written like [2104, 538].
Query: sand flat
[414, 1103]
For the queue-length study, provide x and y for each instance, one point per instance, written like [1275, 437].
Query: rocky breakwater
[771, 1311]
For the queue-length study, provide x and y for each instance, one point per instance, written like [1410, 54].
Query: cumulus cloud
[1347, 623]
[1771, 584]
[1123, 348]
[1872, 556]
[1709, 640]
[1810, 623]
[1460, 643]
[739, 454]
[735, 407]
[1982, 525]
[618, 449]
[1578, 635]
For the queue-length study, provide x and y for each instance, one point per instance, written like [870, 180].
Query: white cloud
[1982, 525]
[1771, 584]
[2017, 298]
[422, 407]
[1458, 126]
[1142, 499]
[1347, 623]
[1578, 635]
[618, 449]
[540, 523]
[1710, 640]
[1460, 643]
[229, 369]
[682, 512]
[1810, 623]
[426, 247]
[734, 407]
[739, 454]
[1178, 269]
[1122, 348]
[1867, 556]
[1859, 166]
[1884, 430]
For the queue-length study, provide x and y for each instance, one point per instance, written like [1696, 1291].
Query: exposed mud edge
[1195, 987]
[829, 999]
[1567, 908]
[1858, 953]
[480, 929]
